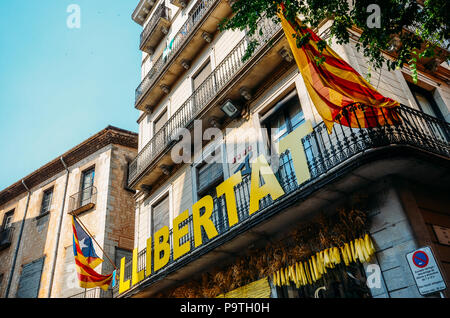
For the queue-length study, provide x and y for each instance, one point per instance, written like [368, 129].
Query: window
[30, 279]
[428, 105]
[8, 220]
[284, 117]
[426, 101]
[159, 123]
[46, 201]
[160, 215]
[87, 184]
[209, 176]
[280, 121]
[201, 75]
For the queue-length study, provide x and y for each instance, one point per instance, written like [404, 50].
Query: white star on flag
[82, 245]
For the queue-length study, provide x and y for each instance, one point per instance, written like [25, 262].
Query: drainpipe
[19, 239]
[58, 233]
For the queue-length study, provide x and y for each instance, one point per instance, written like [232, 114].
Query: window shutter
[202, 75]
[209, 174]
[30, 279]
[46, 201]
[160, 215]
[159, 123]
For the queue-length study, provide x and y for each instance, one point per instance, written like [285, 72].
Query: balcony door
[203, 86]
[426, 101]
[160, 215]
[280, 121]
[87, 186]
[428, 105]
[209, 176]
[159, 135]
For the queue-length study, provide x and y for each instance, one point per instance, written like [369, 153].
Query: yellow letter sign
[293, 142]
[271, 185]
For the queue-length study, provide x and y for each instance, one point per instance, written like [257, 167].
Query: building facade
[36, 256]
[324, 190]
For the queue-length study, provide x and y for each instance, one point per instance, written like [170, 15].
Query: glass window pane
[295, 113]
[87, 187]
[278, 127]
[208, 175]
[286, 119]
[88, 179]
[46, 201]
[8, 220]
[425, 104]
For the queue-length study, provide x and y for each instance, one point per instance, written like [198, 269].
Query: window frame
[150, 203]
[199, 70]
[84, 173]
[45, 192]
[160, 200]
[164, 112]
[430, 98]
[200, 162]
[201, 192]
[283, 107]
[8, 215]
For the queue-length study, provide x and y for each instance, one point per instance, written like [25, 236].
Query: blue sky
[59, 86]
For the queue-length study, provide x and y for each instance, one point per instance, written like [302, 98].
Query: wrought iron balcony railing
[188, 28]
[323, 152]
[200, 98]
[93, 293]
[161, 14]
[6, 238]
[83, 200]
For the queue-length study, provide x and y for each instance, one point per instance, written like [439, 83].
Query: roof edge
[107, 136]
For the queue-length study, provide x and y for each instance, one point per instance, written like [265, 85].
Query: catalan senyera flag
[86, 260]
[340, 94]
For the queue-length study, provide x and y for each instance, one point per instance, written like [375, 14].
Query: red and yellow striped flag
[339, 93]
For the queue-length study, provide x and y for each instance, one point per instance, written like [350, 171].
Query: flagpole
[85, 228]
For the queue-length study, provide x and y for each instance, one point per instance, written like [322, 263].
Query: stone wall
[111, 222]
[119, 217]
[397, 229]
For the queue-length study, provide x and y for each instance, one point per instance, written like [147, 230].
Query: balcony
[406, 149]
[6, 238]
[156, 29]
[142, 10]
[225, 81]
[192, 37]
[180, 3]
[83, 201]
[93, 293]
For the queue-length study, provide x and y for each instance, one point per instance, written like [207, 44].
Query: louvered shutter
[160, 215]
[30, 279]
[202, 75]
[159, 123]
[208, 175]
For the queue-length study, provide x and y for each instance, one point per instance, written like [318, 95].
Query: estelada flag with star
[86, 260]
[339, 93]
